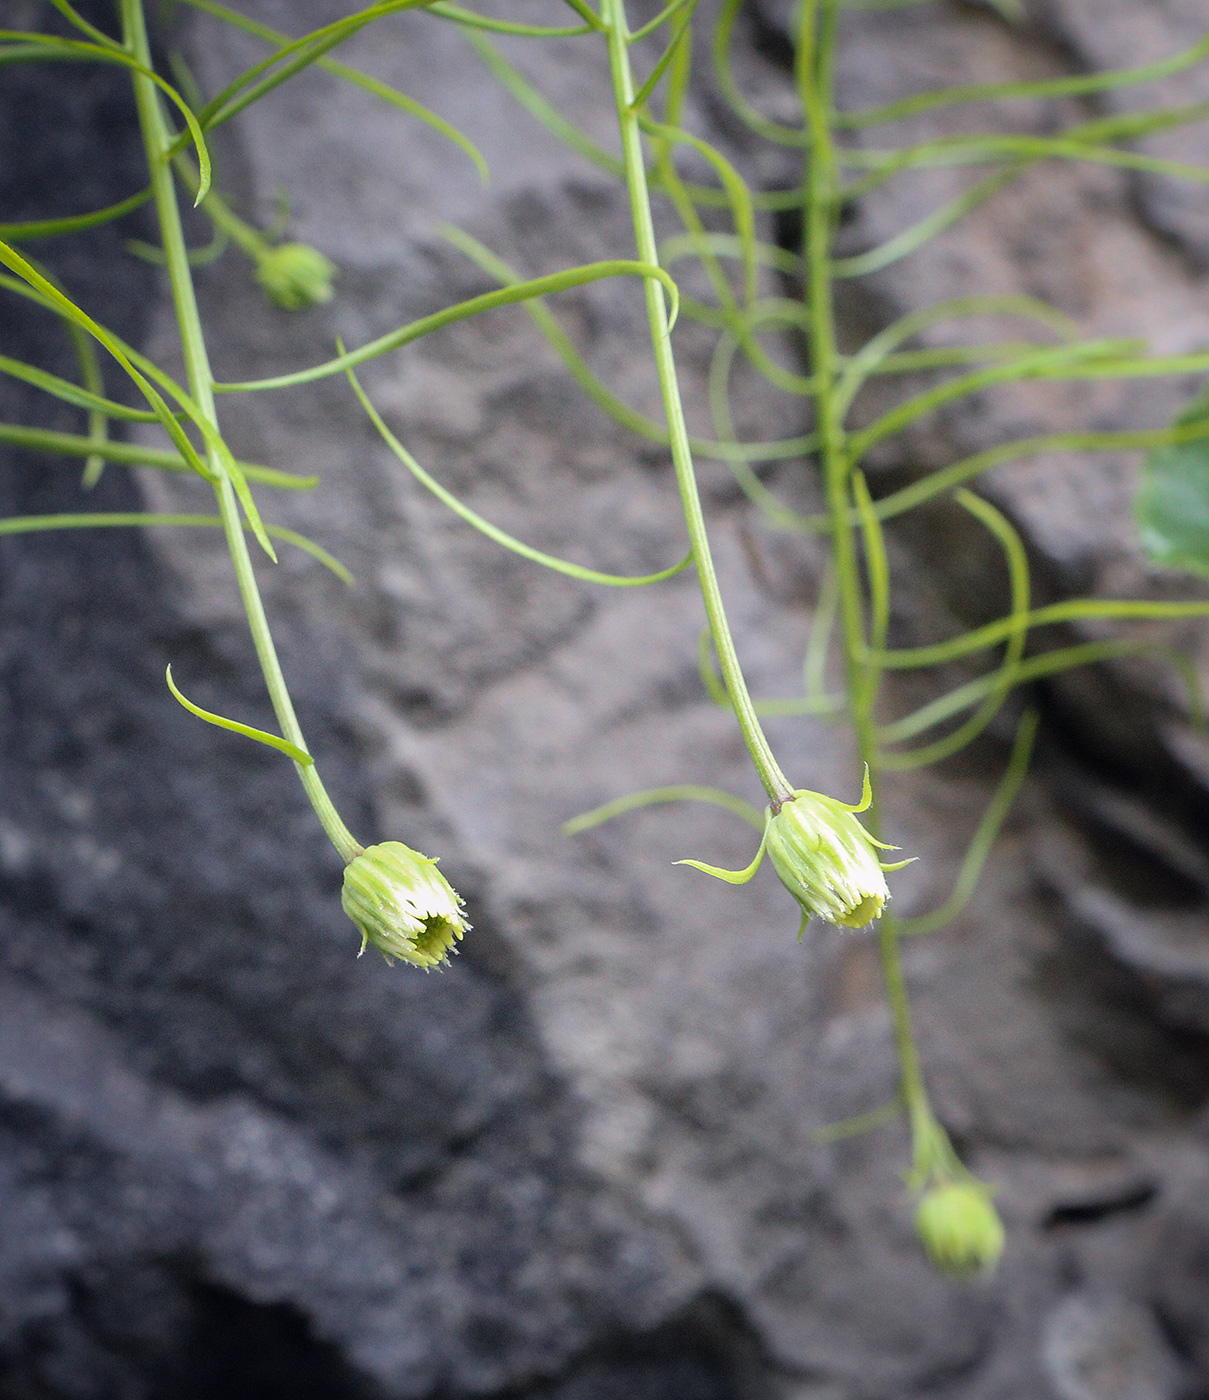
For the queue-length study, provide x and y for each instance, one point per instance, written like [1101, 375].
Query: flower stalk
[956, 1221]
[158, 143]
[617, 33]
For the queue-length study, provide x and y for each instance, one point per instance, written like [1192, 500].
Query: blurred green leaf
[1172, 505]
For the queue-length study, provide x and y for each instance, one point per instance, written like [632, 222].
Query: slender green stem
[915, 1091]
[814, 63]
[775, 782]
[158, 142]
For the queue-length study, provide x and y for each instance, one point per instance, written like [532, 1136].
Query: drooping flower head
[295, 276]
[827, 860]
[403, 905]
[960, 1228]
[824, 857]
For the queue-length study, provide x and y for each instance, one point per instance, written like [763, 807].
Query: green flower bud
[295, 276]
[827, 860]
[403, 905]
[960, 1228]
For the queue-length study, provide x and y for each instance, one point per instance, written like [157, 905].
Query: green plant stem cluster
[722, 234]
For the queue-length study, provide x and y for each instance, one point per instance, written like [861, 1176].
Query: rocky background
[579, 1164]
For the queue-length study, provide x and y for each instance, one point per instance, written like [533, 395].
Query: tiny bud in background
[295, 276]
[827, 860]
[403, 905]
[960, 1229]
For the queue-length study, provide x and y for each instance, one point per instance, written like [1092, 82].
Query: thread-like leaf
[1049, 663]
[31, 229]
[108, 53]
[468, 18]
[1079, 85]
[375, 86]
[294, 55]
[136, 455]
[50, 294]
[88, 520]
[984, 837]
[600, 394]
[274, 741]
[1006, 676]
[493, 532]
[1075, 610]
[679, 792]
[451, 315]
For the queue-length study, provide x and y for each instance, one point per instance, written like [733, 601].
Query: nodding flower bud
[403, 905]
[960, 1228]
[295, 276]
[827, 860]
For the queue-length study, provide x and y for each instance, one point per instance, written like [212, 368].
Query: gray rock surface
[580, 1163]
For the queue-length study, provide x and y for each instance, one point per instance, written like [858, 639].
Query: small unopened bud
[960, 1228]
[295, 276]
[403, 905]
[827, 860]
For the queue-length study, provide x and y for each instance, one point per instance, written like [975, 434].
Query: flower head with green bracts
[295, 276]
[827, 860]
[824, 857]
[403, 905]
[960, 1228]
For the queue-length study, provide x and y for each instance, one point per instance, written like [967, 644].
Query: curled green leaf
[274, 741]
[678, 792]
[493, 532]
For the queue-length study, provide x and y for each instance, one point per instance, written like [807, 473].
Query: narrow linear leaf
[450, 315]
[679, 792]
[1051, 87]
[1049, 663]
[110, 53]
[244, 493]
[49, 295]
[87, 520]
[134, 455]
[540, 106]
[600, 394]
[859, 1123]
[985, 836]
[493, 532]
[52, 228]
[1006, 676]
[274, 741]
[1077, 610]
[73, 16]
[352, 75]
[458, 15]
[755, 120]
[661, 18]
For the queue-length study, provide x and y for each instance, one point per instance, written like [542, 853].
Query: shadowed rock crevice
[150, 1332]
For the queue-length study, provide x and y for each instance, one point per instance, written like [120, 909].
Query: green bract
[960, 1228]
[403, 905]
[827, 860]
[296, 276]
